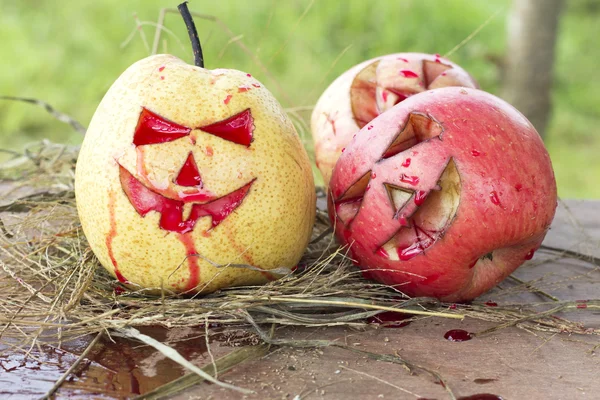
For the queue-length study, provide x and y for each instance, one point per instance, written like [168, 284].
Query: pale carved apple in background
[369, 89]
[184, 169]
[444, 195]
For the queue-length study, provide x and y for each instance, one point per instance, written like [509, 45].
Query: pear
[193, 180]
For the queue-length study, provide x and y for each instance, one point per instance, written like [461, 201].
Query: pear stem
[193, 33]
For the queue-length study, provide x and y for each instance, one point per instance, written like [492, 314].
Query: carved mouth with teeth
[182, 205]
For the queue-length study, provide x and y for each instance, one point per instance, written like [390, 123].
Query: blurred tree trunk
[532, 31]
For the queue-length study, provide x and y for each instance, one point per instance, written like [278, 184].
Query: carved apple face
[368, 90]
[444, 195]
[184, 171]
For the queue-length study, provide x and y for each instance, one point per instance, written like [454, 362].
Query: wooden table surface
[511, 363]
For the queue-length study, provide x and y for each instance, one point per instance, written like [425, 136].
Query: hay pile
[52, 288]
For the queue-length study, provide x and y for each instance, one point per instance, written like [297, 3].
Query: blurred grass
[68, 53]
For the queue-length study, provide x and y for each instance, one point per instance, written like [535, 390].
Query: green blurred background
[68, 53]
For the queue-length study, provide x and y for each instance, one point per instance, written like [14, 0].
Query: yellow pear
[192, 180]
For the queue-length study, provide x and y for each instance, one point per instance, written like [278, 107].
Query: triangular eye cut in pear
[433, 69]
[399, 197]
[418, 128]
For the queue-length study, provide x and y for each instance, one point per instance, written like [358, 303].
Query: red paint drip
[420, 196]
[384, 95]
[369, 127]
[343, 149]
[475, 153]
[152, 129]
[227, 99]
[406, 163]
[243, 89]
[373, 175]
[192, 258]
[145, 200]
[161, 69]
[249, 76]
[491, 303]
[530, 254]
[494, 198]
[411, 180]
[382, 252]
[582, 305]
[518, 187]
[119, 290]
[256, 85]
[452, 306]
[408, 73]
[189, 174]
[458, 335]
[112, 232]
[402, 59]
[237, 129]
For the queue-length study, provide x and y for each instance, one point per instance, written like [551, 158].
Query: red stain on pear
[420, 197]
[227, 99]
[406, 163]
[411, 180]
[192, 258]
[256, 85]
[161, 69]
[209, 151]
[112, 232]
[243, 89]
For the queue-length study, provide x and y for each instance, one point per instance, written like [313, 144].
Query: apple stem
[193, 33]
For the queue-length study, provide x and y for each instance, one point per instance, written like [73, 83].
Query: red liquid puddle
[189, 174]
[237, 129]
[475, 153]
[420, 197]
[408, 73]
[491, 304]
[530, 254]
[145, 200]
[481, 396]
[406, 162]
[192, 258]
[227, 99]
[111, 235]
[411, 180]
[458, 335]
[494, 198]
[152, 129]
[390, 319]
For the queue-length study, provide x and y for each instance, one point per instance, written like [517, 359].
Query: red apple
[444, 195]
[369, 89]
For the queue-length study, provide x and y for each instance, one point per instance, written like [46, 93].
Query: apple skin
[334, 118]
[504, 202]
[269, 229]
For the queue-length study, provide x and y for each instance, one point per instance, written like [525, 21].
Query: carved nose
[189, 174]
